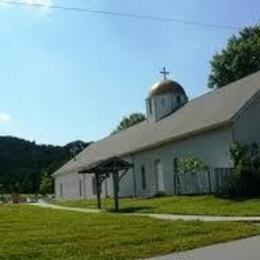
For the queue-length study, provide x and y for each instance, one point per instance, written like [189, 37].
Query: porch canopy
[102, 169]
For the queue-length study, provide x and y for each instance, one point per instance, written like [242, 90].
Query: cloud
[4, 117]
[44, 5]
[45, 9]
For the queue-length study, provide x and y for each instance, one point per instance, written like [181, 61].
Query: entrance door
[159, 176]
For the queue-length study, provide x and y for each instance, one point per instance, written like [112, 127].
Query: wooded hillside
[23, 163]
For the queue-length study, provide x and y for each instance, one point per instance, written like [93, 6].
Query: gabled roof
[206, 112]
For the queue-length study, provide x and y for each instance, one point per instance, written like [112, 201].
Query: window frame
[143, 177]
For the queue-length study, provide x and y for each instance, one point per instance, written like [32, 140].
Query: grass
[28, 232]
[199, 205]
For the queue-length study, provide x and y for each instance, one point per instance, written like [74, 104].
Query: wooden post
[98, 190]
[116, 183]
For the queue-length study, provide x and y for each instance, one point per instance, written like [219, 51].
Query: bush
[245, 179]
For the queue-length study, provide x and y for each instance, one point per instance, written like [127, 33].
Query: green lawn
[28, 232]
[201, 205]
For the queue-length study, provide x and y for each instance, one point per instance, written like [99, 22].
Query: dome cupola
[164, 98]
[166, 86]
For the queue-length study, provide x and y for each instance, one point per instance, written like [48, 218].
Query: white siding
[247, 125]
[211, 147]
[69, 185]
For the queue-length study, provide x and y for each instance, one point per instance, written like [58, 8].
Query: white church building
[204, 127]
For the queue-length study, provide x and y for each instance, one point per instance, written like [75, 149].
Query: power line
[127, 15]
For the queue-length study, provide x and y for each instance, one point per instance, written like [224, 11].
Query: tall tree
[46, 184]
[240, 58]
[129, 121]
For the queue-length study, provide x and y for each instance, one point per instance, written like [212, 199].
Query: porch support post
[116, 188]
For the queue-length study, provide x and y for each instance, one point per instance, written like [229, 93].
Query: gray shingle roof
[208, 111]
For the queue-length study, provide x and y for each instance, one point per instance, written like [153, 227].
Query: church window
[159, 176]
[178, 100]
[175, 175]
[80, 187]
[150, 106]
[175, 164]
[143, 177]
[61, 190]
[163, 102]
[94, 187]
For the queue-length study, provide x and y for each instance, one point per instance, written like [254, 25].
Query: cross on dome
[164, 72]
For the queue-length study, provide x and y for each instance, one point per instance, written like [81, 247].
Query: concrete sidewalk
[202, 218]
[153, 215]
[52, 206]
[244, 249]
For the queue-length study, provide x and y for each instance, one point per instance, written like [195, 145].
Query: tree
[129, 121]
[193, 164]
[46, 184]
[245, 179]
[240, 58]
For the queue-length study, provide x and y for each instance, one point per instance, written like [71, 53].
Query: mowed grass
[28, 232]
[197, 205]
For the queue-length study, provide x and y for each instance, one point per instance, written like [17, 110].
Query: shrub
[245, 180]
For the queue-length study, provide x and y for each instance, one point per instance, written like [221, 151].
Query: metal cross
[164, 72]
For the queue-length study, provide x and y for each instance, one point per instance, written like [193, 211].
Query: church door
[159, 176]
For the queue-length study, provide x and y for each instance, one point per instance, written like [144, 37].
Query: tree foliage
[240, 58]
[23, 163]
[129, 121]
[192, 164]
[46, 185]
[245, 180]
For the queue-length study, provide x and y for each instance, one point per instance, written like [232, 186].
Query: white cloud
[44, 3]
[4, 117]
[45, 9]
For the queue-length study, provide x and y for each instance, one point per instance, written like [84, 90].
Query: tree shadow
[131, 209]
[236, 198]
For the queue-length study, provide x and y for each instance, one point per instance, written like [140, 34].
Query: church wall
[126, 184]
[247, 124]
[67, 186]
[211, 147]
[77, 186]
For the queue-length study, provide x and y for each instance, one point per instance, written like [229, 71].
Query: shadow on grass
[236, 198]
[131, 209]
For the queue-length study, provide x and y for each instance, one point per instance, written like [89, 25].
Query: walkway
[244, 249]
[202, 218]
[52, 206]
[158, 216]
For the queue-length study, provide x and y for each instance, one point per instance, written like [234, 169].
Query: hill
[22, 162]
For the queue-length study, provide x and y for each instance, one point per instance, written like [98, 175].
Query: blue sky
[70, 75]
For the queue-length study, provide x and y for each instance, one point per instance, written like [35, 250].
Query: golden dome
[166, 86]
